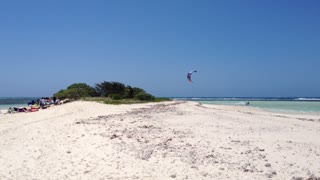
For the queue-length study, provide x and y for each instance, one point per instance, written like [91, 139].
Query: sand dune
[170, 140]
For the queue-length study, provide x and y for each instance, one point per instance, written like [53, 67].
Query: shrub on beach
[137, 91]
[76, 91]
[117, 91]
[105, 89]
[112, 92]
[83, 89]
[143, 96]
[115, 96]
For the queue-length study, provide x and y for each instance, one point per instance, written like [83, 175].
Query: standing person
[42, 103]
[54, 100]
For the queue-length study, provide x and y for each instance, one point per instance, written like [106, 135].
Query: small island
[108, 93]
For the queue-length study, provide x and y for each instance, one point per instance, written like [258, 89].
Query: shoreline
[253, 108]
[286, 110]
[265, 110]
[165, 140]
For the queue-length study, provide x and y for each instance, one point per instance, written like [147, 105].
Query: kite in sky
[189, 76]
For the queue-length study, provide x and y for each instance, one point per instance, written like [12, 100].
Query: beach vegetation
[115, 96]
[129, 93]
[76, 91]
[118, 91]
[143, 96]
[106, 89]
[107, 100]
[108, 93]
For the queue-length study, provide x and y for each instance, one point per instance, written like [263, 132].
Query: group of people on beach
[35, 105]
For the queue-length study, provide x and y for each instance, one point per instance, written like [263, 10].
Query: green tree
[129, 94]
[143, 96]
[83, 90]
[113, 90]
[137, 90]
[106, 89]
[61, 94]
[76, 91]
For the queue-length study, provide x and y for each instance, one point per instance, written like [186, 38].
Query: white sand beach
[169, 140]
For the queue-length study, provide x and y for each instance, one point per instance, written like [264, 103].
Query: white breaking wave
[307, 99]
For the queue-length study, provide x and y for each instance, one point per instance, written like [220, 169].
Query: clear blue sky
[240, 47]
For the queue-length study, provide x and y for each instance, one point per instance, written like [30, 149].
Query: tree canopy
[76, 91]
[113, 90]
[106, 89]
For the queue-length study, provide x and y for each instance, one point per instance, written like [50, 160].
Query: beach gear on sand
[20, 109]
[34, 108]
[23, 109]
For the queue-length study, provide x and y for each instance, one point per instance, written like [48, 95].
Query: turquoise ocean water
[299, 105]
[286, 105]
[6, 102]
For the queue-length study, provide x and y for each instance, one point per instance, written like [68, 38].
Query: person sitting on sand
[20, 109]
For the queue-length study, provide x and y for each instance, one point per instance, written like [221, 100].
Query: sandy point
[168, 140]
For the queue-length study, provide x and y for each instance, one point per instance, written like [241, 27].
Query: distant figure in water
[247, 103]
